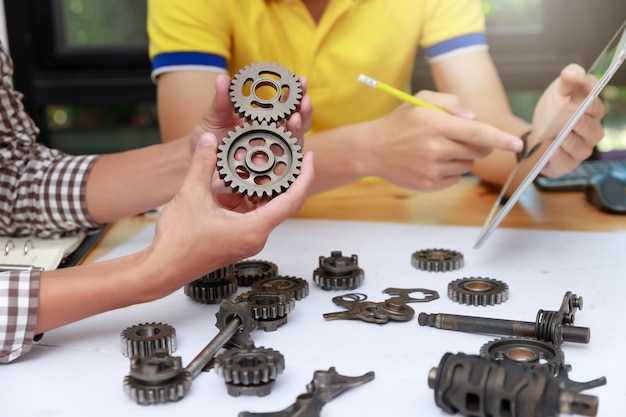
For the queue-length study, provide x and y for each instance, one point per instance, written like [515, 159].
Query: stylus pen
[398, 93]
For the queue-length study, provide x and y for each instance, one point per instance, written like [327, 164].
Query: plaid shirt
[42, 192]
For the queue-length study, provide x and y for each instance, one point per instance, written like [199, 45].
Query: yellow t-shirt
[378, 38]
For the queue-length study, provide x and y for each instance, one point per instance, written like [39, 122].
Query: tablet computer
[531, 164]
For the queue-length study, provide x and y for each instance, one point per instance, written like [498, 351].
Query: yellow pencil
[398, 93]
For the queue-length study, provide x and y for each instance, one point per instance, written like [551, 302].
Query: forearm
[132, 182]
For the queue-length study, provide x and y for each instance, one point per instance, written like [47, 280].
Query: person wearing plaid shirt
[48, 193]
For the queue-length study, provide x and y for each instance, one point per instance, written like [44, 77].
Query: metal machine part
[241, 313]
[219, 274]
[259, 160]
[211, 291]
[269, 309]
[265, 92]
[296, 287]
[551, 326]
[478, 291]
[338, 272]
[325, 386]
[437, 260]
[251, 270]
[249, 370]
[526, 351]
[143, 339]
[474, 386]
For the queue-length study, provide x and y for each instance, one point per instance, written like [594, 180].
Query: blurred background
[83, 66]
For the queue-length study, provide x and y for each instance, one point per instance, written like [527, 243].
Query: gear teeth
[478, 291]
[267, 306]
[525, 351]
[143, 339]
[211, 292]
[219, 274]
[437, 260]
[298, 288]
[338, 272]
[249, 271]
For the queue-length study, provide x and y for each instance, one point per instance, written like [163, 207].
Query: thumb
[572, 76]
[203, 163]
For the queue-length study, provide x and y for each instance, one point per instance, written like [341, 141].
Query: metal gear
[338, 272]
[143, 339]
[229, 311]
[296, 287]
[478, 291]
[259, 160]
[249, 271]
[211, 292]
[159, 378]
[269, 309]
[265, 92]
[437, 260]
[219, 274]
[250, 370]
[525, 351]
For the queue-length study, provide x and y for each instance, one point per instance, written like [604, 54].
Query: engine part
[269, 309]
[143, 339]
[259, 160]
[219, 274]
[265, 92]
[338, 272]
[251, 270]
[249, 370]
[296, 287]
[475, 386]
[325, 386]
[526, 351]
[550, 326]
[211, 291]
[437, 260]
[478, 291]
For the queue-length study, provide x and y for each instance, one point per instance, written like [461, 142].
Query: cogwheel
[249, 271]
[265, 93]
[525, 351]
[270, 310]
[211, 292]
[219, 274]
[478, 291]
[437, 260]
[296, 287]
[143, 339]
[338, 272]
[159, 378]
[250, 370]
[259, 160]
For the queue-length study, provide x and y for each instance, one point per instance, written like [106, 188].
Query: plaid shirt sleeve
[19, 299]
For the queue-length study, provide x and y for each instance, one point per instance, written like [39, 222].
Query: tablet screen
[537, 157]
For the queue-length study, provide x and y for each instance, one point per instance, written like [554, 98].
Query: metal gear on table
[526, 351]
[437, 260]
[265, 92]
[249, 370]
[143, 339]
[251, 270]
[338, 272]
[211, 292]
[478, 291]
[298, 288]
[219, 274]
[269, 309]
[259, 160]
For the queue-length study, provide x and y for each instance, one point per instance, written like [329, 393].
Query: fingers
[202, 168]
[572, 78]
[480, 134]
[222, 106]
[449, 102]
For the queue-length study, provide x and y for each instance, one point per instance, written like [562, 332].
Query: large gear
[265, 92]
[478, 291]
[437, 260]
[298, 288]
[211, 292]
[525, 351]
[259, 160]
[250, 270]
[338, 272]
[143, 339]
[249, 370]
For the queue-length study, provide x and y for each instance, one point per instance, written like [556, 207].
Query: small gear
[437, 260]
[211, 292]
[143, 339]
[265, 93]
[525, 351]
[259, 160]
[478, 291]
[159, 378]
[269, 309]
[250, 370]
[249, 271]
[338, 272]
[219, 274]
[229, 311]
[298, 288]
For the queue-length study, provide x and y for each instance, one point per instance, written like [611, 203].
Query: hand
[426, 150]
[555, 107]
[195, 235]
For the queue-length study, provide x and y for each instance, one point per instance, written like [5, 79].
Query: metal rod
[204, 357]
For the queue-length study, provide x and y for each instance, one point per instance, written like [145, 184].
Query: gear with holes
[265, 93]
[227, 312]
[269, 309]
[296, 287]
[219, 274]
[259, 160]
[437, 260]
[159, 378]
[143, 339]
[525, 351]
[250, 370]
[478, 291]
[338, 272]
[249, 271]
[211, 292]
